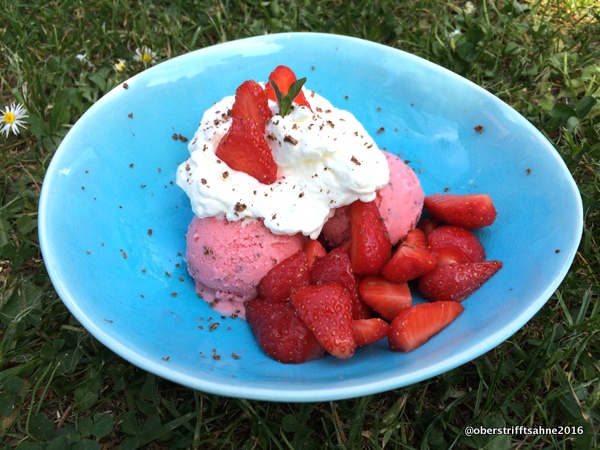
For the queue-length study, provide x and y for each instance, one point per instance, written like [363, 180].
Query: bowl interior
[113, 222]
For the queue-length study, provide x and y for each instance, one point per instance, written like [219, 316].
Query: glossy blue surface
[112, 180]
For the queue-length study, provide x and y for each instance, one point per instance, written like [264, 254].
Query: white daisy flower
[12, 118]
[120, 65]
[145, 55]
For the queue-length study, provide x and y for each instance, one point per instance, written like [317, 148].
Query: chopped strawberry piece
[280, 332]
[411, 259]
[326, 309]
[370, 247]
[451, 244]
[346, 245]
[251, 104]
[428, 225]
[369, 331]
[336, 267]
[283, 77]
[385, 297]
[416, 325]
[314, 250]
[291, 273]
[456, 281]
[469, 211]
[245, 147]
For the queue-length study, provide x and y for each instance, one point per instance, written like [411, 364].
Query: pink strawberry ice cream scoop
[228, 259]
[400, 204]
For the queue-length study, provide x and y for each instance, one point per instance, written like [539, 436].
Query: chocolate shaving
[290, 139]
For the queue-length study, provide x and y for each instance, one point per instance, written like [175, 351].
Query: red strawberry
[469, 211]
[326, 309]
[456, 281]
[428, 225]
[455, 245]
[314, 250]
[385, 297]
[411, 259]
[280, 332]
[291, 273]
[346, 245]
[369, 331]
[283, 77]
[336, 267]
[251, 104]
[370, 247]
[415, 325]
[245, 147]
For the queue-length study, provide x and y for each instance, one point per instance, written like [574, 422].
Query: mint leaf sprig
[285, 100]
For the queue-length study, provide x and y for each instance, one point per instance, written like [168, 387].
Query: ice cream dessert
[306, 229]
[325, 160]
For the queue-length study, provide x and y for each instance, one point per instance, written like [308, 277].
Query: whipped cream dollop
[325, 159]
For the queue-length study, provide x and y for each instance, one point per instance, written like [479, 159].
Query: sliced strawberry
[314, 250]
[346, 245]
[385, 297]
[283, 77]
[469, 211]
[370, 247]
[428, 225]
[251, 104]
[291, 273]
[411, 259]
[456, 281]
[280, 332]
[244, 147]
[369, 331]
[451, 244]
[326, 309]
[336, 267]
[415, 325]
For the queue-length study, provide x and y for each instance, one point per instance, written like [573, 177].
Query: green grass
[60, 388]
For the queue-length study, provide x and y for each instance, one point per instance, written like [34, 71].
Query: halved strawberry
[416, 325]
[326, 309]
[336, 267]
[280, 332]
[370, 247]
[369, 331]
[456, 281]
[451, 244]
[411, 259]
[244, 147]
[314, 250]
[346, 245]
[283, 77]
[251, 103]
[428, 225]
[291, 273]
[469, 211]
[385, 297]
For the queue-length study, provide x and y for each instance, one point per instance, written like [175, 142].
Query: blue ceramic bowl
[112, 222]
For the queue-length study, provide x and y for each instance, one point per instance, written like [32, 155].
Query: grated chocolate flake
[290, 139]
